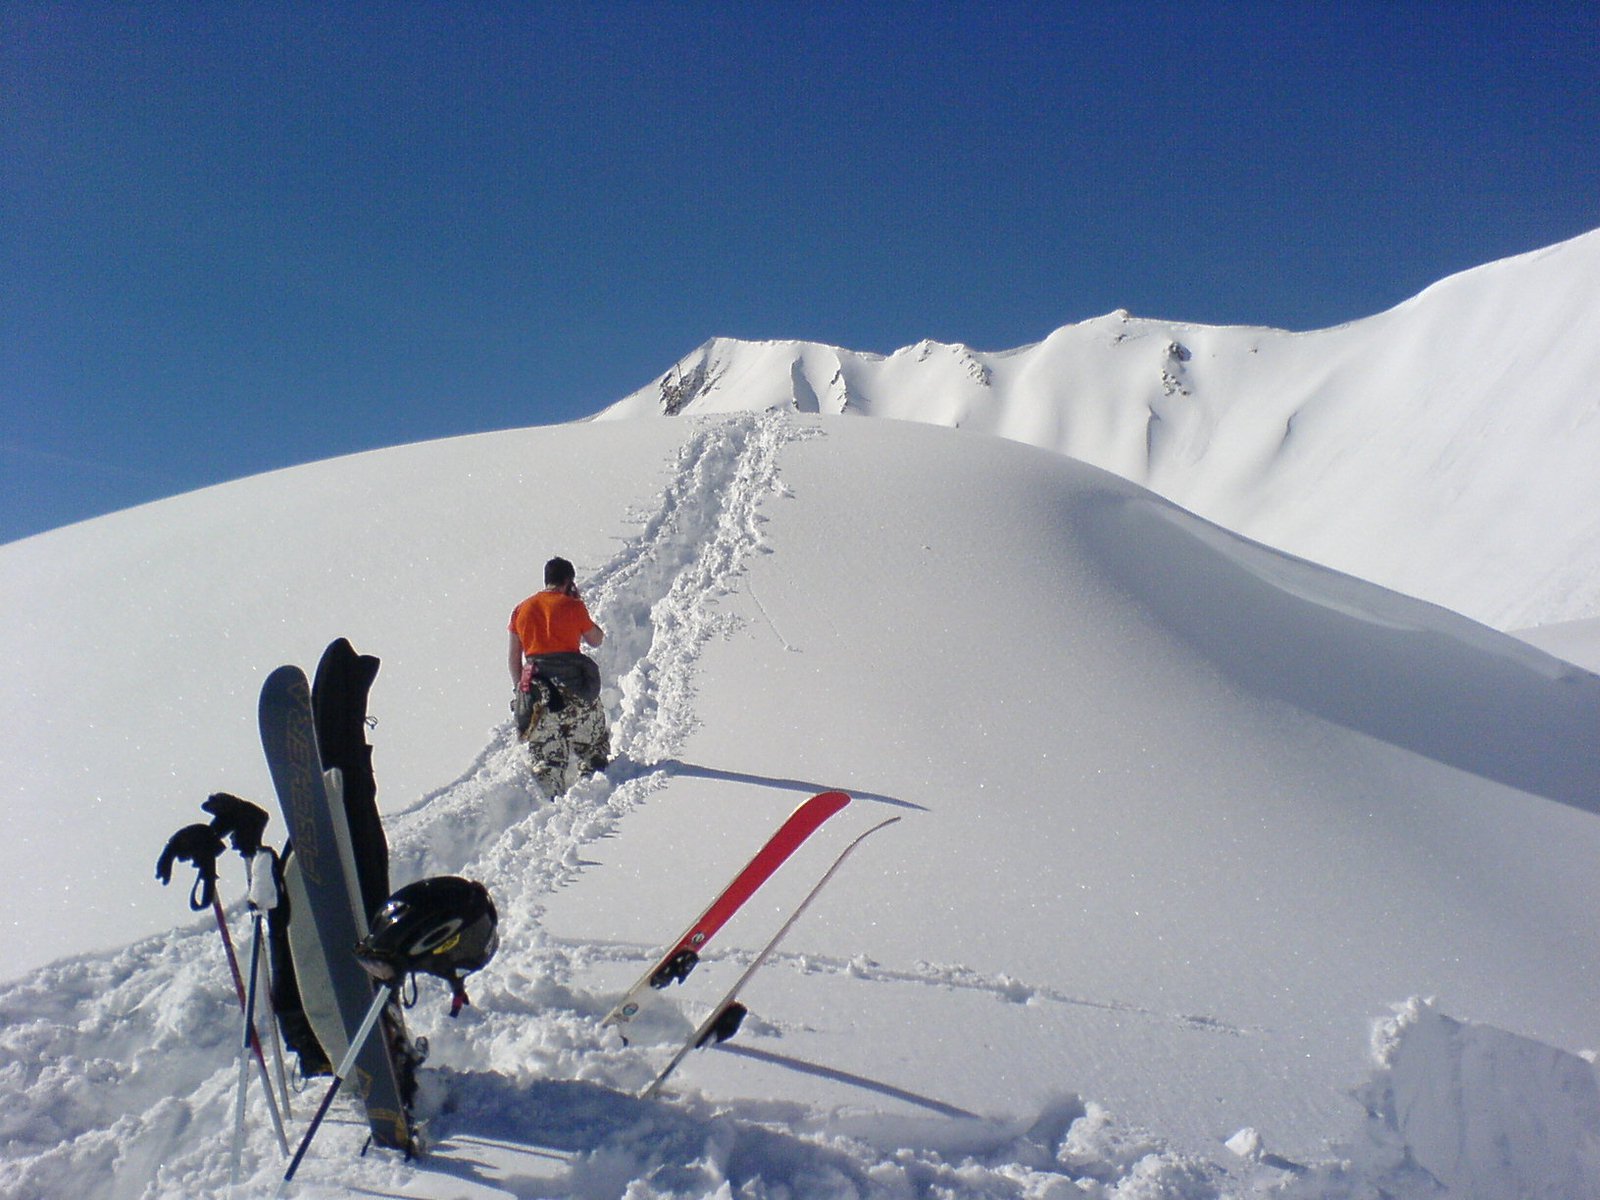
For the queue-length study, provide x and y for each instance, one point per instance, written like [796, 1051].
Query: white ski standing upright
[719, 1023]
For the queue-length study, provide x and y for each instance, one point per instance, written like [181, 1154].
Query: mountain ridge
[1422, 448]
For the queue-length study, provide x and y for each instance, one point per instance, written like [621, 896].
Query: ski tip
[830, 802]
[288, 678]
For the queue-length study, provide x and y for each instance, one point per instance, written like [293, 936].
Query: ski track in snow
[574, 1083]
[120, 1069]
[78, 1036]
[656, 600]
[1005, 987]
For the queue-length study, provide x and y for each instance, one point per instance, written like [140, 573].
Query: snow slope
[413, 552]
[1576, 641]
[1445, 448]
[1182, 818]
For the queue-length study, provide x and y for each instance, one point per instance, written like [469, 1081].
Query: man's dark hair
[558, 572]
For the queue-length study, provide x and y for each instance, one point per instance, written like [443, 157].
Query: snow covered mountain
[1447, 448]
[1185, 821]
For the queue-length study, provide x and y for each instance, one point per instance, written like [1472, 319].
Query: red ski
[680, 958]
[725, 1017]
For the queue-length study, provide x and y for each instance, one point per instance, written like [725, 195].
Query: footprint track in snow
[657, 599]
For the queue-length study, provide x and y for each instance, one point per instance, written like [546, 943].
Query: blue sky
[240, 236]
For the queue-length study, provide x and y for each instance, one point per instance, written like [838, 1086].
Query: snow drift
[1445, 448]
[1182, 816]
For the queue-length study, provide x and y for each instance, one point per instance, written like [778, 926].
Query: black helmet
[443, 926]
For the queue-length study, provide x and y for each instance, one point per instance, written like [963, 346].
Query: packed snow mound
[1487, 1113]
[1180, 815]
[1445, 448]
[1464, 1111]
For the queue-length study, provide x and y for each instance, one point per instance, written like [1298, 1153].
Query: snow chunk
[1488, 1113]
[1246, 1143]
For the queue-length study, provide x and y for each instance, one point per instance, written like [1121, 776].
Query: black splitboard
[288, 735]
[339, 703]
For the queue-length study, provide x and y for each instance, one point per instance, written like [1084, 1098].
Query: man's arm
[515, 660]
[593, 635]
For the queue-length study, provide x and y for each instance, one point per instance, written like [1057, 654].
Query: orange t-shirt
[550, 623]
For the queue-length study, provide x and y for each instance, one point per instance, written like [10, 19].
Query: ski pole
[262, 881]
[244, 1054]
[368, 1023]
[243, 823]
[263, 895]
[250, 1028]
[277, 1059]
[200, 845]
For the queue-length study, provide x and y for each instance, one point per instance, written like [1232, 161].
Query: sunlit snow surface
[1445, 448]
[1187, 825]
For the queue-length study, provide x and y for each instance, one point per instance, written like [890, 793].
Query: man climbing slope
[557, 701]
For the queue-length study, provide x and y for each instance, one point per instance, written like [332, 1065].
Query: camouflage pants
[566, 745]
